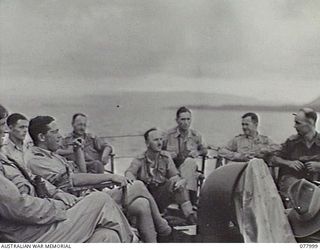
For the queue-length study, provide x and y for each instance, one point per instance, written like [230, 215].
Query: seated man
[15, 147]
[185, 145]
[26, 215]
[96, 150]
[157, 170]
[46, 163]
[299, 156]
[248, 145]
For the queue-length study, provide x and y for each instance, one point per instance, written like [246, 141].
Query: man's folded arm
[28, 209]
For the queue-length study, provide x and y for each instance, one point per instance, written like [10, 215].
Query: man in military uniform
[248, 145]
[157, 170]
[299, 156]
[30, 212]
[184, 145]
[45, 162]
[97, 151]
[14, 147]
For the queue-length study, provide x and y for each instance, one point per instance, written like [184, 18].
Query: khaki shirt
[93, 146]
[153, 172]
[52, 167]
[20, 155]
[242, 145]
[176, 145]
[295, 149]
[21, 212]
[11, 172]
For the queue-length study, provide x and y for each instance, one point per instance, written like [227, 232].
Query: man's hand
[68, 199]
[121, 180]
[193, 154]
[248, 156]
[78, 144]
[179, 184]
[296, 165]
[201, 176]
[313, 166]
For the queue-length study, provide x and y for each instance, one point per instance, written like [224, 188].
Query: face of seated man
[302, 125]
[184, 121]
[248, 126]
[19, 130]
[80, 125]
[155, 141]
[52, 139]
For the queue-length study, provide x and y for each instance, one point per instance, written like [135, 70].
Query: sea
[122, 119]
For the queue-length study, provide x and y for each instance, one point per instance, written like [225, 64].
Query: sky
[266, 49]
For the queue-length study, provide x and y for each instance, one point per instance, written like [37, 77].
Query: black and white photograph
[159, 121]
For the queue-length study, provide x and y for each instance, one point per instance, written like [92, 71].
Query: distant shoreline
[284, 108]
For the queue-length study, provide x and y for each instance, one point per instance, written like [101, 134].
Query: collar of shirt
[84, 136]
[315, 140]
[256, 136]
[11, 144]
[178, 133]
[148, 160]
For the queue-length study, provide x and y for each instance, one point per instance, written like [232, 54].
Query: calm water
[129, 115]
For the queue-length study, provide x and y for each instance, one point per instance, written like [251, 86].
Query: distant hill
[315, 104]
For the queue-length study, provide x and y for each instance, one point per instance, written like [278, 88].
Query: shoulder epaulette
[90, 135]
[171, 130]
[140, 156]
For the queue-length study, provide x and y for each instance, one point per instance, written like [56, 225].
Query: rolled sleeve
[101, 144]
[230, 151]
[202, 146]
[133, 169]
[171, 169]
[283, 150]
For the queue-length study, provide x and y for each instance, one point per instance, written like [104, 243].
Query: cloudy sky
[268, 49]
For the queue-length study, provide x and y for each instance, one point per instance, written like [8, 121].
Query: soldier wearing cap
[157, 170]
[248, 145]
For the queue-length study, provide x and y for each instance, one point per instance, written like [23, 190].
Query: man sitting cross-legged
[42, 213]
[138, 202]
